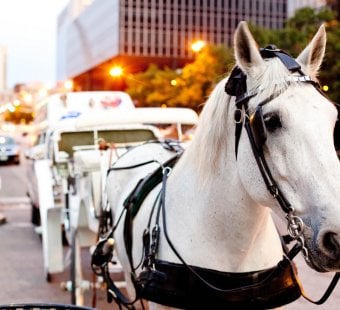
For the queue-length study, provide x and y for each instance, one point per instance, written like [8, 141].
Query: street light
[197, 46]
[173, 82]
[68, 85]
[116, 71]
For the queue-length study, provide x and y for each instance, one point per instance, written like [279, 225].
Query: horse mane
[212, 133]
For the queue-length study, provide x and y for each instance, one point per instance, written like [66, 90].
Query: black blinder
[258, 128]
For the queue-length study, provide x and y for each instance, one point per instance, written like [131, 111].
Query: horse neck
[223, 226]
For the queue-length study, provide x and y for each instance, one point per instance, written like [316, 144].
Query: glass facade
[167, 28]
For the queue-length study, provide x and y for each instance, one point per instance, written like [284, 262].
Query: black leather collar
[180, 288]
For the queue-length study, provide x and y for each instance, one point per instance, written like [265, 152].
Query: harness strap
[266, 174]
[328, 292]
[271, 51]
[101, 256]
[291, 254]
[115, 293]
[104, 248]
[237, 86]
[145, 185]
[134, 201]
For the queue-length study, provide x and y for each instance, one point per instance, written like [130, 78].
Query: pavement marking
[14, 200]
[19, 224]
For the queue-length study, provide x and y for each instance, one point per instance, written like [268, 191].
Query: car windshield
[6, 140]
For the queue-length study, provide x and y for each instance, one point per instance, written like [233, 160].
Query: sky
[28, 31]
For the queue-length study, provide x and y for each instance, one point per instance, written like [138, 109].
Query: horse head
[290, 127]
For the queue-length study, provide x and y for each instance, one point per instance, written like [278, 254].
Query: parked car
[9, 150]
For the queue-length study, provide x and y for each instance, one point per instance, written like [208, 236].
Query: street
[22, 277]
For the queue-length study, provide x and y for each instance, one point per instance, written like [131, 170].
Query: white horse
[217, 205]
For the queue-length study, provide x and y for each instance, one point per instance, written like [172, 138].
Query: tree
[152, 87]
[294, 37]
[200, 77]
[187, 87]
[297, 33]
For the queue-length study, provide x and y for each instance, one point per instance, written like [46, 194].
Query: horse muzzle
[324, 251]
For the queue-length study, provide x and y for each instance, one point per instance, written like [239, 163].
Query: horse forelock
[272, 78]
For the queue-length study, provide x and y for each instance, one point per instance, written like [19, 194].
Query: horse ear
[246, 49]
[311, 57]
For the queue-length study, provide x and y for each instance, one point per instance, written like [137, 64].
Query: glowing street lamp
[116, 71]
[197, 46]
[68, 84]
[173, 82]
[16, 102]
[27, 97]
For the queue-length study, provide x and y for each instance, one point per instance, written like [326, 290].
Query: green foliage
[18, 117]
[330, 71]
[188, 87]
[298, 31]
[152, 87]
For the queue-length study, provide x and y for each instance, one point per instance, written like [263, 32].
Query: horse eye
[272, 122]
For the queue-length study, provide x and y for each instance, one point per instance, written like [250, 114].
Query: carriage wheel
[76, 275]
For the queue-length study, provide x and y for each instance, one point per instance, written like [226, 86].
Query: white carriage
[82, 154]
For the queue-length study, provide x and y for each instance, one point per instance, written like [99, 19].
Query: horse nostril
[331, 244]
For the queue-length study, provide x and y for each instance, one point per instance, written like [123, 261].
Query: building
[294, 5]
[94, 35]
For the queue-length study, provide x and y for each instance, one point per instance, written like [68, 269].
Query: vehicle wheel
[17, 160]
[48, 277]
[35, 215]
[64, 238]
[77, 292]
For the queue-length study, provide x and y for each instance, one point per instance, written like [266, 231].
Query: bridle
[257, 133]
